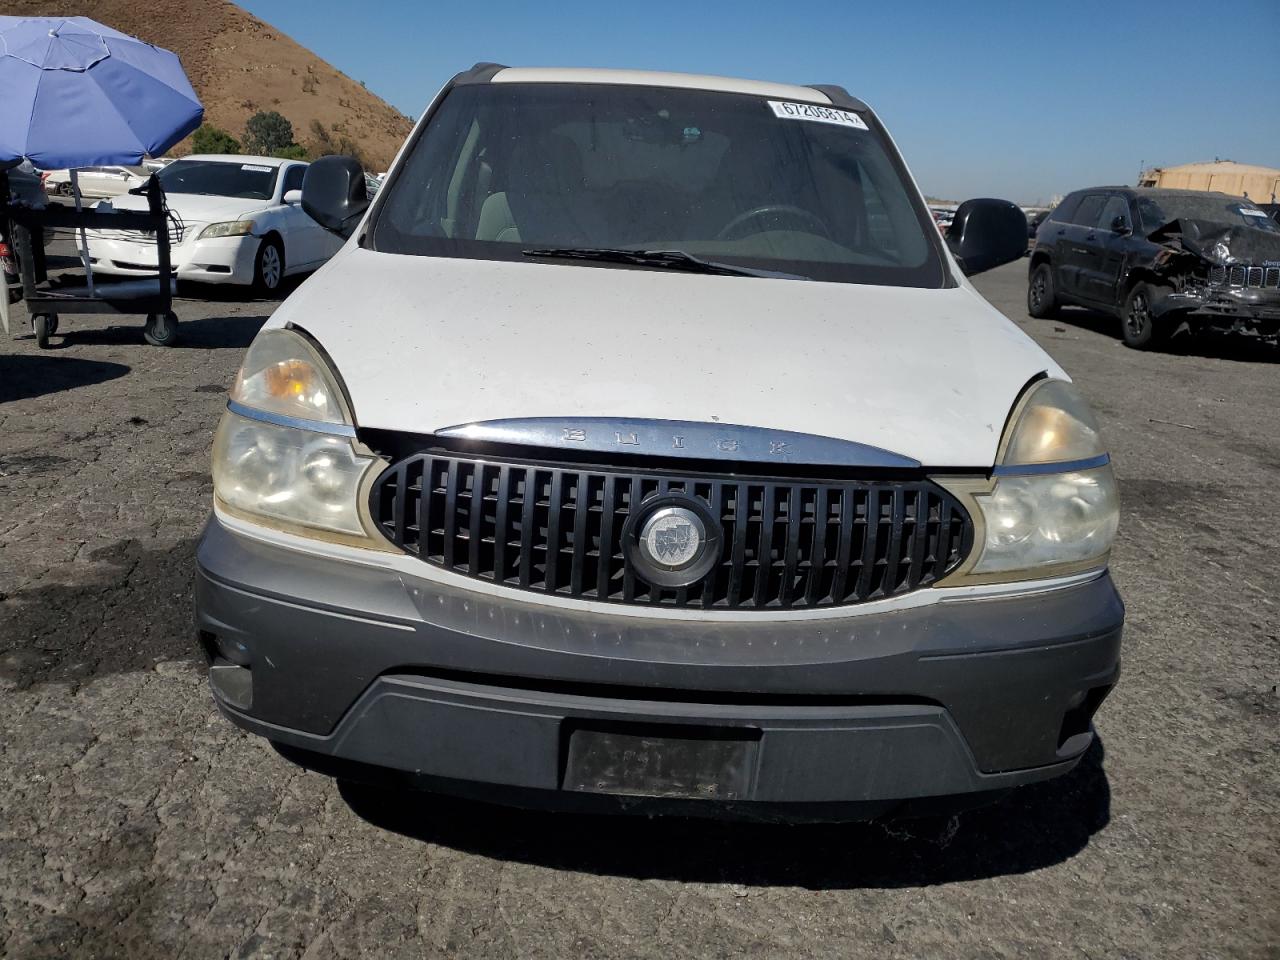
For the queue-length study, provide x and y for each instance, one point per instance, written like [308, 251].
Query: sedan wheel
[269, 270]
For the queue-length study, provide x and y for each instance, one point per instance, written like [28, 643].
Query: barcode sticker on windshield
[810, 111]
[254, 168]
[1251, 212]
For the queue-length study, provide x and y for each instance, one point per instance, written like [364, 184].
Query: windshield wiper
[662, 259]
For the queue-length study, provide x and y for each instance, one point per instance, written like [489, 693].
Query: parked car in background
[371, 185]
[237, 220]
[95, 182]
[633, 454]
[1158, 258]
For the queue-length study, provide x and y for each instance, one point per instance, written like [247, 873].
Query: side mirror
[333, 193]
[987, 233]
[292, 196]
[1120, 225]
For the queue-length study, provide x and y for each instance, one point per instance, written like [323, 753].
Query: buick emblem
[673, 540]
[672, 537]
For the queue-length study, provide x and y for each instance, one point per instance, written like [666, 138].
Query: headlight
[1051, 507]
[285, 454]
[229, 228]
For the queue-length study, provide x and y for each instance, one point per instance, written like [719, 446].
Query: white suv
[646, 448]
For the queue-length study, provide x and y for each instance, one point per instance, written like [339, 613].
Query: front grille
[558, 530]
[1245, 276]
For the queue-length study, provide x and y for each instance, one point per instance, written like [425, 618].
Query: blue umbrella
[78, 94]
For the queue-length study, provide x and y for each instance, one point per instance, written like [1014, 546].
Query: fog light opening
[1077, 722]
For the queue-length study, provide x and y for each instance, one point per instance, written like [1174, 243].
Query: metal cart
[152, 297]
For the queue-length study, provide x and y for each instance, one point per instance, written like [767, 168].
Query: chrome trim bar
[1037, 469]
[684, 439]
[298, 423]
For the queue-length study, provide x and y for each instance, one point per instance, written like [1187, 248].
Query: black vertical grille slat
[784, 544]
[451, 511]
[870, 544]
[500, 531]
[791, 554]
[474, 532]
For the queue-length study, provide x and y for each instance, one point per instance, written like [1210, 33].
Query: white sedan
[237, 219]
[94, 181]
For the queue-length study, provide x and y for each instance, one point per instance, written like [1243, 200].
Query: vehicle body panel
[610, 342]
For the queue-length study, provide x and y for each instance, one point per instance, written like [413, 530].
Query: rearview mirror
[987, 233]
[333, 193]
[292, 196]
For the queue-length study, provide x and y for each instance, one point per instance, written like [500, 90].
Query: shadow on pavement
[1213, 346]
[130, 609]
[1029, 829]
[204, 333]
[25, 376]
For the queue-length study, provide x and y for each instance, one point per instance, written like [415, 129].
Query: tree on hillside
[211, 139]
[267, 132]
[325, 142]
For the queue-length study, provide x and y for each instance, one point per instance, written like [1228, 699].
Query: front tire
[268, 266]
[1042, 299]
[65, 189]
[1140, 328]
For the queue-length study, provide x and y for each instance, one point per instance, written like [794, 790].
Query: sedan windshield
[220, 178]
[515, 171]
[1156, 211]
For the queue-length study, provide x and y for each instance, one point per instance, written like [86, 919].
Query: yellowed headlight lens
[284, 374]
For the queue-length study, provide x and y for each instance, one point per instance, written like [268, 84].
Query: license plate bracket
[661, 760]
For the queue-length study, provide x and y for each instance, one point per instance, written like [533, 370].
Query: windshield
[735, 179]
[220, 178]
[1216, 208]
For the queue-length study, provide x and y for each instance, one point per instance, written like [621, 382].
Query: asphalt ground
[135, 821]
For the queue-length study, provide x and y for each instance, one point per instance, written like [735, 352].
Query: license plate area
[660, 760]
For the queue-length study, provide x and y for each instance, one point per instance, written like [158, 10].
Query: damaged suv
[646, 447]
[1159, 259]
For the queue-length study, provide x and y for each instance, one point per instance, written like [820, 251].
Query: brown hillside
[240, 65]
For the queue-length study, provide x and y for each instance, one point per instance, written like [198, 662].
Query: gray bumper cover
[366, 665]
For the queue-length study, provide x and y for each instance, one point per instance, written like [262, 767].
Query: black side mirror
[1120, 225]
[333, 193]
[987, 233]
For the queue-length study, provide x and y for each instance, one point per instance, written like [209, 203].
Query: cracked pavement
[135, 821]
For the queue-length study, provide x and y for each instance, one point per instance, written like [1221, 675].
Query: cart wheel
[45, 326]
[161, 329]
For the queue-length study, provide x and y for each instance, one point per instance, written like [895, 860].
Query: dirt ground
[134, 821]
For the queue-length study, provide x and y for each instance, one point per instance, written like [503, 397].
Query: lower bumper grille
[563, 531]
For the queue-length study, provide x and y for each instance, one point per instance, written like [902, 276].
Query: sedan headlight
[228, 228]
[1051, 506]
[285, 454]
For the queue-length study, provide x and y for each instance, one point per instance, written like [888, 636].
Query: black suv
[1159, 258]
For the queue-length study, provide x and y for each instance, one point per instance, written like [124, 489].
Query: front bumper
[220, 260]
[360, 663]
[1222, 304]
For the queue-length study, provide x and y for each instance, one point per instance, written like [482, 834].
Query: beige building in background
[1261, 184]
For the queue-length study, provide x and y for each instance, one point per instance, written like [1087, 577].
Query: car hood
[193, 207]
[427, 343]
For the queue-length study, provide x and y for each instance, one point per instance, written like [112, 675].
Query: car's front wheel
[268, 269]
[1141, 329]
[1042, 301]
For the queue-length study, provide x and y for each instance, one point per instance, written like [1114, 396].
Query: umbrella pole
[84, 240]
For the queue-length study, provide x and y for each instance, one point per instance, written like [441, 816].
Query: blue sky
[1009, 99]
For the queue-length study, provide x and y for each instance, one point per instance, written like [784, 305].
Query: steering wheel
[800, 213]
